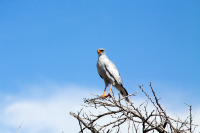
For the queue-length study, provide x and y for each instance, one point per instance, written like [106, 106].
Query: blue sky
[54, 42]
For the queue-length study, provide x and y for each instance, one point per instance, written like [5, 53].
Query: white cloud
[49, 112]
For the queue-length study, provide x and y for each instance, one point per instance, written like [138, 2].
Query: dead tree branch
[118, 112]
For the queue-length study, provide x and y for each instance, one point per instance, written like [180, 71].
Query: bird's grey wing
[112, 70]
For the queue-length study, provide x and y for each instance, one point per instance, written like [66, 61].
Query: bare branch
[117, 112]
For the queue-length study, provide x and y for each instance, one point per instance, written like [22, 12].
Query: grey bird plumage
[109, 73]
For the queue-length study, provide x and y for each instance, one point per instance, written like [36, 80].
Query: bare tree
[138, 119]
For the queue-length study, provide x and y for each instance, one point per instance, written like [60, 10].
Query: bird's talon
[108, 95]
[103, 96]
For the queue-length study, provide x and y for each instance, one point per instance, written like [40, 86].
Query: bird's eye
[101, 50]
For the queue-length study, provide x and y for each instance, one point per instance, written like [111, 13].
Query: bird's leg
[109, 91]
[104, 92]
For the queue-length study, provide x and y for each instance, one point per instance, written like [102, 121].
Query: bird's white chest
[101, 67]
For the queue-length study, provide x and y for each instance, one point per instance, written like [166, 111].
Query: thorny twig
[19, 127]
[121, 112]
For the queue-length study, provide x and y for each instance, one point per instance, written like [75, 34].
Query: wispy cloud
[46, 113]
[49, 112]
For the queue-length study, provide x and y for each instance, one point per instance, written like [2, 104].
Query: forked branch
[118, 112]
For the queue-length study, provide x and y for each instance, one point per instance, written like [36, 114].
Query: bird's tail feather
[124, 93]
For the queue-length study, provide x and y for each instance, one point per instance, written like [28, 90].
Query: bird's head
[101, 51]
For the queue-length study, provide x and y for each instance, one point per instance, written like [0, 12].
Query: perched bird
[109, 73]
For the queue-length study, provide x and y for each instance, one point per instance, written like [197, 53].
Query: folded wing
[112, 70]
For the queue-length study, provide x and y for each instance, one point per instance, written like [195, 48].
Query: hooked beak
[99, 51]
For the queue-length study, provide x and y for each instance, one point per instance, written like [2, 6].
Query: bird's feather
[112, 70]
[100, 76]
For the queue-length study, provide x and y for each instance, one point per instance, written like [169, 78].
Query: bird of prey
[109, 73]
